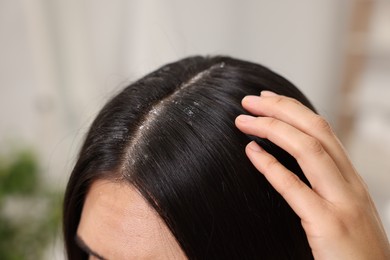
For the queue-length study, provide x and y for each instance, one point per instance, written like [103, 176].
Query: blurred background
[61, 60]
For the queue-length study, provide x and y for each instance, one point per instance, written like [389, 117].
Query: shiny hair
[171, 134]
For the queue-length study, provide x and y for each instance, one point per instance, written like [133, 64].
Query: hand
[337, 213]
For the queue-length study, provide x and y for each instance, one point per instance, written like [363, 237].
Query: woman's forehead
[117, 223]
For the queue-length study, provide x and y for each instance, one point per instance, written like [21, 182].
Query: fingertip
[236, 121]
[244, 118]
[267, 93]
[250, 100]
[254, 147]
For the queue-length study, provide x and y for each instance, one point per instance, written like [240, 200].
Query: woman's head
[169, 143]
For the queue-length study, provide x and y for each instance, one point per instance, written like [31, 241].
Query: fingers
[337, 213]
[297, 194]
[300, 117]
[318, 166]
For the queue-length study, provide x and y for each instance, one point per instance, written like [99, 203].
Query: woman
[164, 173]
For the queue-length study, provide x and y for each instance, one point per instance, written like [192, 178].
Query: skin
[337, 213]
[117, 223]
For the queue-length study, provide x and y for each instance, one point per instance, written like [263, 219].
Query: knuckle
[291, 182]
[362, 193]
[320, 123]
[285, 101]
[313, 146]
[279, 100]
[361, 189]
[271, 164]
[294, 101]
[272, 123]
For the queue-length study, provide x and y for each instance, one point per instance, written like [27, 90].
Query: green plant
[30, 212]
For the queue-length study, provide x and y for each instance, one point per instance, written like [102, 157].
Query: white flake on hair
[158, 110]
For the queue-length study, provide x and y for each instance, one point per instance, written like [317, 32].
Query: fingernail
[267, 93]
[254, 147]
[251, 100]
[245, 118]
